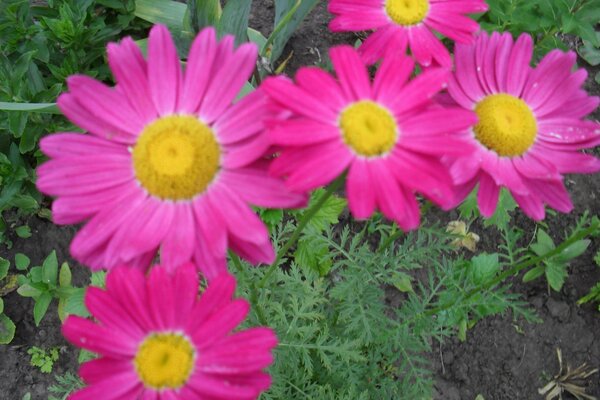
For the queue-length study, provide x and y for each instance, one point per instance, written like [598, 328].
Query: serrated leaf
[7, 329]
[64, 276]
[556, 274]
[271, 217]
[23, 231]
[50, 269]
[501, 216]
[21, 261]
[313, 254]
[4, 265]
[41, 307]
[98, 279]
[329, 213]
[484, 267]
[544, 243]
[534, 273]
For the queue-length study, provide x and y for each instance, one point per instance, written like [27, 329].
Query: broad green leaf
[23, 231]
[36, 275]
[544, 243]
[74, 304]
[27, 290]
[50, 108]
[402, 282]
[1, 305]
[556, 274]
[288, 16]
[235, 20]
[7, 329]
[4, 265]
[484, 267]
[590, 53]
[257, 37]
[201, 13]
[40, 307]
[462, 330]
[64, 276]
[573, 251]
[534, 273]
[168, 12]
[21, 261]
[50, 269]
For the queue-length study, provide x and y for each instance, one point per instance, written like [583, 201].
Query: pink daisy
[386, 134]
[158, 340]
[399, 24]
[530, 127]
[172, 161]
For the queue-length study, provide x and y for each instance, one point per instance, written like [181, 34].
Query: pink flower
[158, 340]
[530, 126]
[386, 133]
[399, 24]
[171, 163]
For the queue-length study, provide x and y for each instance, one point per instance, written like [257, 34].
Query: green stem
[519, 267]
[335, 185]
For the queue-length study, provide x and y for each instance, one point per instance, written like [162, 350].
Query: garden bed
[502, 358]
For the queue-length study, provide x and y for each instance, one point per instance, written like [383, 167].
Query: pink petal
[302, 132]
[185, 287]
[209, 387]
[98, 339]
[220, 324]
[323, 86]
[178, 243]
[466, 72]
[351, 72]
[420, 90]
[106, 309]
[244, 119]
[531, 205]
[391, 77]
[128, 287]
[161, 299]
[131, 74]
[198, 71]
[390, 39]
[100, 369]
[425, 47]
[216, 296]
[66, 145]
[361, 199]
[164, 70]
[487, 195]
[112, 388]
[518, 65]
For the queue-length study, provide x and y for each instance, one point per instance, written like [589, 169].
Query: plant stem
[335, 185]
[519, 267]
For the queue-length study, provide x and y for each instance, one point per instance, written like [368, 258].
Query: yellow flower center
[506, 125]
[407, 12]
[368, 128]
[164, 361]
[176, 157]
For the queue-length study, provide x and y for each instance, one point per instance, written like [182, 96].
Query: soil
[502, 359]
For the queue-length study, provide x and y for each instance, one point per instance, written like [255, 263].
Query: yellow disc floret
[176, 157]
[368, 128]
[407, 12]
[164, 361]
[506, 125]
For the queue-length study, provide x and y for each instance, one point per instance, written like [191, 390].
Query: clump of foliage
[43, 359]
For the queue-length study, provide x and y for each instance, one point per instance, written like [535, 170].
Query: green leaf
[314, 254]
[75, 305]
[235, 20]
[402, 282]
[203, 13]
[257, 37]
[168, 12]
[1, 305]
[501, 216]
[40, 307]
[534, 273]
[484, 267]
[50, 269]
[36, 274]
[271, 217]
[462, 330]
[4, 265]
[50, 108]
[544, 243]
[7, 329]
[21, 261]
[556, 274]
[329, 213]
[64, 276]
[590, 53]
[27, 290]
[597, 78]
[98, 279]
[288, 16]
[574, 250]
[23, 231]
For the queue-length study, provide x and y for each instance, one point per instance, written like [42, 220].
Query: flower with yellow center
[171, 163]
[506, 125]
[530, 127]
[368, 128]
[407, 12]
[164, 361]
[176, 157]
[157, 338]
